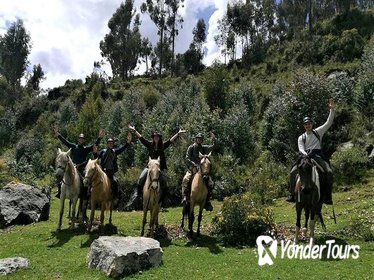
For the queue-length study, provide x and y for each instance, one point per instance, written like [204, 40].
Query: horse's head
[205, 164]
[154, 171]
[62, 162]
[305, 169]
[90, 172]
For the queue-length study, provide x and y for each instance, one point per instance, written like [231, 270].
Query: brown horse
[67, 175]
[151, 195]
[101, 191]
[199, 192]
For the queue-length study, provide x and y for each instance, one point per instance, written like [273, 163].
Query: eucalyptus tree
[15, 47]
[157, 13]
[173, 21]
[122, 46]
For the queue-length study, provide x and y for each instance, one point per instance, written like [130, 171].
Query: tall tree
[15, 47]
[36, 77]
[146, 52]
[173, 21]
[122, 46]
[193, 56]
[157, 13]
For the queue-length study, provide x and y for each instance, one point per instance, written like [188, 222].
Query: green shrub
[348, 165]
[267, 178]
[241, 220]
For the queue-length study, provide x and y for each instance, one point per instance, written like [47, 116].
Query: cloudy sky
[66, 34]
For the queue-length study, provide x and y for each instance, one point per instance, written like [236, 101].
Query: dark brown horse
[309, 197]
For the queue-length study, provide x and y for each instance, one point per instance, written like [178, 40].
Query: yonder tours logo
[267, 250]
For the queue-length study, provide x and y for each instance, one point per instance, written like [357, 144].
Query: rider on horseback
[79, 153]
[193, 160]
[309, 143]
[156, 148]
[108, 161]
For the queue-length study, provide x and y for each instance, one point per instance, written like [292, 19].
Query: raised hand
[129, 138]
[181, 131]
[101, 133]
[55, 130]
[332, 104]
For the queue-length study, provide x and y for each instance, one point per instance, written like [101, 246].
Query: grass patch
[63, 255]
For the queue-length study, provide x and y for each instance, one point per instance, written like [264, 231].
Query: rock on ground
[10, 265]
[23, 204]
[116, 256]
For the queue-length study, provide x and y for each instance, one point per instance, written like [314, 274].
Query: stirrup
[208, 206]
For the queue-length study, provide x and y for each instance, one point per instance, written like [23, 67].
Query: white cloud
[66, 34]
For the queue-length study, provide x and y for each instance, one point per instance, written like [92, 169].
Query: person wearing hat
[156, 148]
[309, 143]
[79, 153]
[108, 160]
[193, 160]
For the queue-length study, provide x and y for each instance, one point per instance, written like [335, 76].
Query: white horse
[68, 176]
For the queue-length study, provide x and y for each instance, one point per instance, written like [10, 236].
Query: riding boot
[186, 190]
[291, 198]
[58, 191]
[139, 197]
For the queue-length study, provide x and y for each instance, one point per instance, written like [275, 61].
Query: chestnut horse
[151, 195]
[199, 192]
[101, 191]
[68, 176]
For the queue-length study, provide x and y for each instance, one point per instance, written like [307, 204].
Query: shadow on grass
[207, 242]
[63, 236]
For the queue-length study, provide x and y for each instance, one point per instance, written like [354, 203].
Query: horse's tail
[321, 220]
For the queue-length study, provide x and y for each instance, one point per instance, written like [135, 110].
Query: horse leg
[72, 210]
[298, 221]
[62, 201]
[84, 210]
[144, 221]
[191, 219]
[110, 212]
[312, 225]
[102, 216]
[92, 216]
[200, 217]
[69, 214]
[305, 228]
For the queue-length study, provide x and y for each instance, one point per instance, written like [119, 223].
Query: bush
[241, 220]
[348, 165]
[268, 179]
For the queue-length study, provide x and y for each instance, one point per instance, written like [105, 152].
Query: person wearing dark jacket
[193, 161]
[156, 148]
[108, 160]
[79, 153]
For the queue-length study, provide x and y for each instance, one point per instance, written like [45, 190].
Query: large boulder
[116, 256]
[10, 265]
[23, 204]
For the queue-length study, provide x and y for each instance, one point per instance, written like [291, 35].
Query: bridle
[90, 178]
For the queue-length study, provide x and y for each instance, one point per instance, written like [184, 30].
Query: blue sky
[66, 33]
